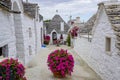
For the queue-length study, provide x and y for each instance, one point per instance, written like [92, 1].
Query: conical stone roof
[55, 24]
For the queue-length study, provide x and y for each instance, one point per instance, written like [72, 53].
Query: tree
[47, 20]
[68, 40]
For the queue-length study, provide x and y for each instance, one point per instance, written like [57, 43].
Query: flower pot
[58, 75]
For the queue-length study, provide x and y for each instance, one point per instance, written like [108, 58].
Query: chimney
[77, 19]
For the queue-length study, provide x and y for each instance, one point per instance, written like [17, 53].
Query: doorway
[54, 37]
[4, 51]
[1, 53]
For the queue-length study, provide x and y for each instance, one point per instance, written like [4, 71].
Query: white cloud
[66, 9]
[82, 8]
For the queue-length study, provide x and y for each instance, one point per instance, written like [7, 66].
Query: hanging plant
[74, 32]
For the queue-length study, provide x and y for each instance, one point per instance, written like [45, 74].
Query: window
[30, 32]
[30, 50]
[108, 44]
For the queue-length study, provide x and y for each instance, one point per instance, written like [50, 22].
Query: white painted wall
[39, 25]
[7, 33]
[106, 65]
[35, 40]
[28, 41]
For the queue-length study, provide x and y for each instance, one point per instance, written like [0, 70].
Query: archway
[18, 33]
[54, 37]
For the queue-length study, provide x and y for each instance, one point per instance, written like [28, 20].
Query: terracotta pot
[58, 75]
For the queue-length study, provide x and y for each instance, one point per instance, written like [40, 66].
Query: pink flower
[61, 61]
[74, 31]
[46, 39]
[11, 69]
[0, 77]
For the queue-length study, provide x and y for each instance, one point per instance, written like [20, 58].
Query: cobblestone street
[38, 69]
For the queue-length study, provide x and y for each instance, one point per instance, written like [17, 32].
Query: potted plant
[11, 69]
[46, 40]
[57, 42]
[73, 33]
[61, 63]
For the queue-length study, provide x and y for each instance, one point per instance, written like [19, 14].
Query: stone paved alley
[38, 69]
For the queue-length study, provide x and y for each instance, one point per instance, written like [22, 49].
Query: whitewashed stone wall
[35, 40]
[28, 41]
[41, 34]
[7, 33]
[39, 25]
[11, 22]
[107, 66]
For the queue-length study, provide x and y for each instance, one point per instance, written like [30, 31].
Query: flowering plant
[11, 69]
[74, 32]
[46, 39]
[61, 36]
[57, 42]
[60, 62]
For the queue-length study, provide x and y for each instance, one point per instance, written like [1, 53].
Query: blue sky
[82, 8]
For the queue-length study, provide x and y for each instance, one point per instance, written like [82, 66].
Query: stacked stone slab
[89, 24]
[113, 12]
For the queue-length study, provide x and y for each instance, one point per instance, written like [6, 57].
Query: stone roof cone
[55, 24]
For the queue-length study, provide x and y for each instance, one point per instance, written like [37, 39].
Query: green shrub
[68, 40]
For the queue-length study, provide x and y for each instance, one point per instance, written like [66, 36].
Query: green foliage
[68, 40]
[47, 20]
